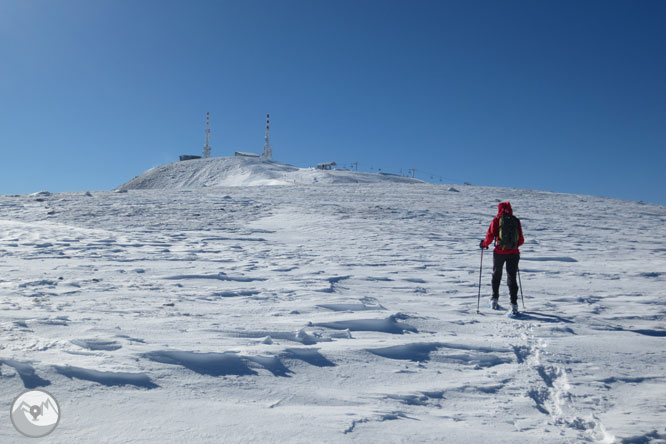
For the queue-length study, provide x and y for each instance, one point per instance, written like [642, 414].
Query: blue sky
[566, 96]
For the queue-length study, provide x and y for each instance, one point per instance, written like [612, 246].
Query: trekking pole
[478, 301]
[521, 289]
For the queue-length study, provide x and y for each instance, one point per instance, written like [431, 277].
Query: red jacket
[493, 230]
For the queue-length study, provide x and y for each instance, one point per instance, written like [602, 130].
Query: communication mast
[206, 148]
[268, 151]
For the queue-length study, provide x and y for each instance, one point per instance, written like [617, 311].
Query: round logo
[35, 413]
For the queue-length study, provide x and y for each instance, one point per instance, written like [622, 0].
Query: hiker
[506, 231]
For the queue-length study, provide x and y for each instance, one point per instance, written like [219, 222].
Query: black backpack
[509, 232]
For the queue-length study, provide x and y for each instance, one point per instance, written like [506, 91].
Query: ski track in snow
[345, 312]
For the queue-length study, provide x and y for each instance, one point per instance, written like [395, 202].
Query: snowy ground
[344, 313]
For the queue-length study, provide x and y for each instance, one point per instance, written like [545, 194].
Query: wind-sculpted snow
[229, 363]
[107, 378]
[213, 364]
[388, 325]
[301, 335]
[97, 344]
[350, 307]
[421, 352]
[309, 355]
[27, 373]
[345, 313]
[414, 352]
[219, 276]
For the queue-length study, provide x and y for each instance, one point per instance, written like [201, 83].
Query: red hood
[504, 208]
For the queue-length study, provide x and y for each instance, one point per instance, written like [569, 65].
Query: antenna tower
[268, 151]
[206, 148]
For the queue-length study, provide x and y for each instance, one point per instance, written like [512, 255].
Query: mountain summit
[247, 171]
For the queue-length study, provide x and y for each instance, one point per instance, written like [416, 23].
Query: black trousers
[511, 261]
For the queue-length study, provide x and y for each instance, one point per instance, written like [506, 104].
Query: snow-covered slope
[246, 171]
[331, 314]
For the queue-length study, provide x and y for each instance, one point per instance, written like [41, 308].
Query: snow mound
[246, 171]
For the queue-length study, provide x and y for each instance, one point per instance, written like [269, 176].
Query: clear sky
[567, 96]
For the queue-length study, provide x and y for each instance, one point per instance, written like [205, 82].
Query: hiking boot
[494, 304]
[514, 309]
